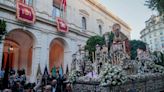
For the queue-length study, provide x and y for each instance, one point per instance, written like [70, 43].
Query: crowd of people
[17, 82]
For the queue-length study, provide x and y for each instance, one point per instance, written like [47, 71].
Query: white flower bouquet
[112, 75]
[74, 74]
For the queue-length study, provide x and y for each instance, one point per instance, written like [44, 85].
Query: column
[67, 61]
[35, 62]
[1, 53]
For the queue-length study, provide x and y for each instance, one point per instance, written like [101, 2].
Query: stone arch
[58, 47]
[20, 56]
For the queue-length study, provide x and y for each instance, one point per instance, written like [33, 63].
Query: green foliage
[135, 44]
[156, 5]
[2, 27]
[160, 57]
[93, 41]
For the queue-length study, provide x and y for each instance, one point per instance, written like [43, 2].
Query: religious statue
[120, 46]
[78, 61]
[74, 62]
[98, 54]
[116, 30]
[104, 52]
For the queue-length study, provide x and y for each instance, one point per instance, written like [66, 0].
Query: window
[28, 2]
[149, 36]
[162, 45]
[150, 41]
[151, 47]
[56, 8]
[84, 23]
[156, 46]
[100, 29]
[55, 12]
[161, 33]
[149, 30]
[162, 38]
[145, 39]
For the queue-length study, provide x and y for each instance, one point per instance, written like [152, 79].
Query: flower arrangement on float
[73, 75]
[157, 68]
[112, 75]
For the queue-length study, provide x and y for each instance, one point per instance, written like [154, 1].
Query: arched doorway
[17, 50]
[56, 53]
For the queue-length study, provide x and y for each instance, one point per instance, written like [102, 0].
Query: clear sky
[133, 12]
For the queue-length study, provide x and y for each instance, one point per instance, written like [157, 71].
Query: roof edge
[108, 12]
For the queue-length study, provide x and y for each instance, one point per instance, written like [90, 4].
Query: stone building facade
[41, 44]
[153, 33]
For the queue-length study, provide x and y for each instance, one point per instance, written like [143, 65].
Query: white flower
[110, 74]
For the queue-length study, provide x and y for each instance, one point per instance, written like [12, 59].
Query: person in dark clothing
[64, 82]
[54, 85]
[59, 82]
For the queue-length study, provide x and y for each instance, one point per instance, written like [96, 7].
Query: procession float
[111, 69]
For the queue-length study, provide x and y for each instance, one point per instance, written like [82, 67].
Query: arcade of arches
[20, 56]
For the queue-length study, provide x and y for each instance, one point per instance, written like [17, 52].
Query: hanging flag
[64, 3]
[61, 71]
[45, 74]
[54, 71]
[67, 70]
[25, 13]
[39, 73]
[61, 25]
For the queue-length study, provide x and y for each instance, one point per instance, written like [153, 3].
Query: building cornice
[109, 13]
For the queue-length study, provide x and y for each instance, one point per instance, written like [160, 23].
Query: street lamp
[11, 48]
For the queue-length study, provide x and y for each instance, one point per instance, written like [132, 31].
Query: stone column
[67, 61]
[1, 53]
[35, 62]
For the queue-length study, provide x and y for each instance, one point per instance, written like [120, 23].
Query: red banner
[25, 13]
[61, 25]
